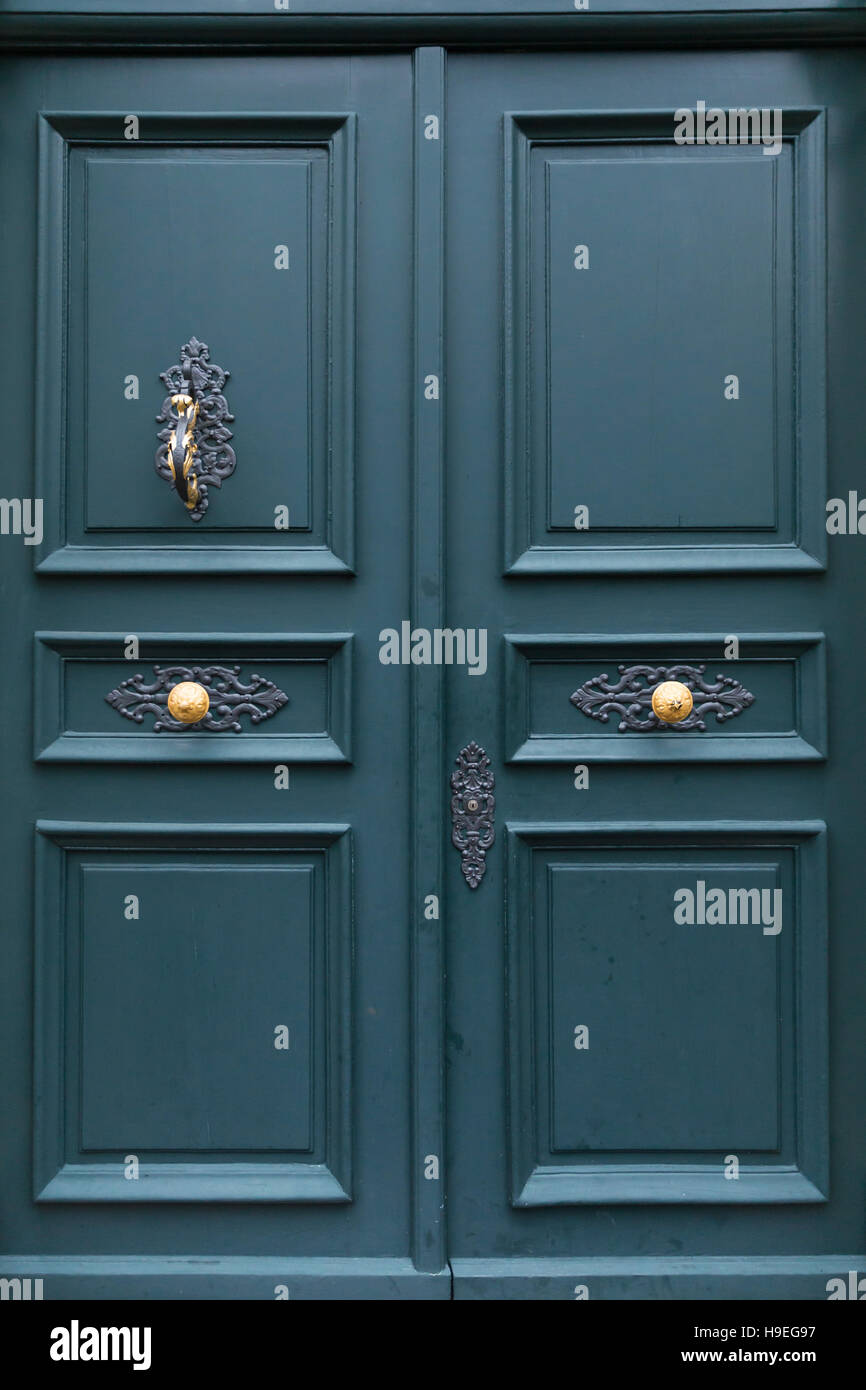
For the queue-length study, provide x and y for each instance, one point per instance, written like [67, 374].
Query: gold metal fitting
[672, 702]
[188, 702]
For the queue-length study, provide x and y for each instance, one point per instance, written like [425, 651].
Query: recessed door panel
[667, 1008]
[196, 986]
[692, 467]
[272, 697]
[587, 696]
[664, 345]
[233, 230]
[218, 286]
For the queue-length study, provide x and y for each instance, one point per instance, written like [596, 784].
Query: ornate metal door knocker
[194, 451]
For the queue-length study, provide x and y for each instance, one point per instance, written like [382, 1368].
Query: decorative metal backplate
[214, 458]
[631, 697]
[472, 807]
[230, 698]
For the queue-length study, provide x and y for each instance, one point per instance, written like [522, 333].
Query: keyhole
[472, 804]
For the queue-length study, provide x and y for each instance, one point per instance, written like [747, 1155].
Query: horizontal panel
[654, 1277]
[496, 10]
[667, 1013]
[572, 698]
[227, 1277]
[195, 985]
[112, 210]
[636, 439]
[282, 697]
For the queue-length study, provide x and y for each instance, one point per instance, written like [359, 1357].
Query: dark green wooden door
[527, 413]
[652, 997]
[218, 1098]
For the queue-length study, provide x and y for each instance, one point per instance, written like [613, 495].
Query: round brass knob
[188, 702]
[672, 702]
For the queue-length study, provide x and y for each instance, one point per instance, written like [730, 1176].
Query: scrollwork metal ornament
[472, 807]
[631, 698]
[194, 452]
[230, 698]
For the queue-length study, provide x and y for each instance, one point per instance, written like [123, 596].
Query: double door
[430, 959]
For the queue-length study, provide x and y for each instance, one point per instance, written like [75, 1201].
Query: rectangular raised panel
[785, 673]
[232, 297]
[167, 959]
[705, 1038]
[696, 264]
[76, 671]
[611, 941]
[232, 947]
[705, 463]
[147, 243]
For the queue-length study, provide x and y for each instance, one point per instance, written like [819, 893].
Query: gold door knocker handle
[181, 448]
[672, 702]
[194, 452]
[188, 702]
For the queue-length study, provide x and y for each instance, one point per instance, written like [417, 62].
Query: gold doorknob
[672, 702]
[188, 702]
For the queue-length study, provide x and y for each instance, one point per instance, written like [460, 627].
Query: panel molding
[62, 552]
[535, 1182]
[806, 741]
[56, 1178]
[54, 742]
[428, 1236]
[525, 554]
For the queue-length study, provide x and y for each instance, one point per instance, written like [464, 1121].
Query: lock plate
[472, 807]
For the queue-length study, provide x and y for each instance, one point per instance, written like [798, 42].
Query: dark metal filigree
[229, 698]
[631, 697]
[472, 807]
[208, 459]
